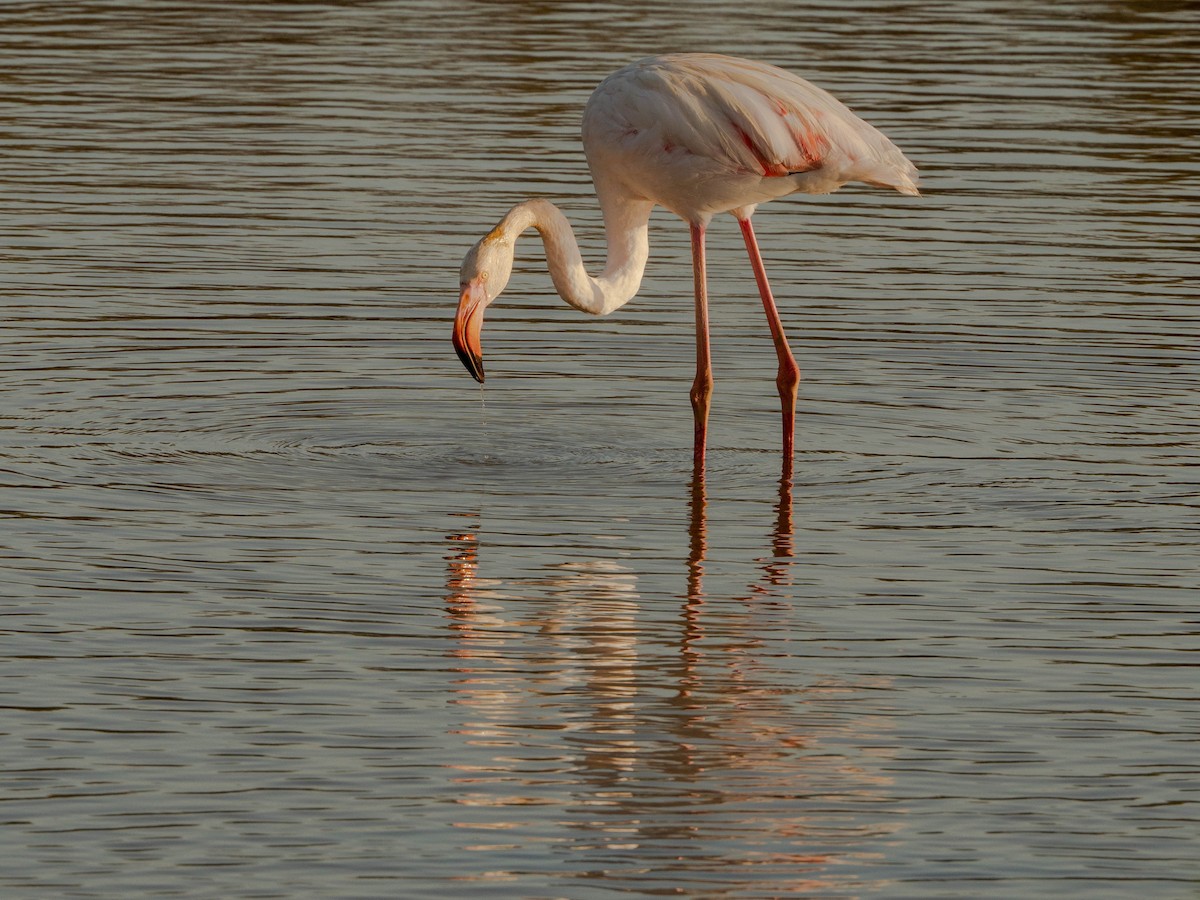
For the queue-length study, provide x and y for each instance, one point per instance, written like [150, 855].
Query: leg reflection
[698, 536]
[693, 628]
[777, 567]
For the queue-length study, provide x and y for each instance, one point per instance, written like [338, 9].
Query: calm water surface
[292, 608]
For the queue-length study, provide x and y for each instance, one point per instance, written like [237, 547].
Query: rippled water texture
[292, 608]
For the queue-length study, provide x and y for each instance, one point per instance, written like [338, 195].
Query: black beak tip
[473, 363]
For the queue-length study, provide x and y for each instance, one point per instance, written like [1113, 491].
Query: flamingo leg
[788, 377]
[702, 386]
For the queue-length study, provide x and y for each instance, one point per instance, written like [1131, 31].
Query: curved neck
[625, 227]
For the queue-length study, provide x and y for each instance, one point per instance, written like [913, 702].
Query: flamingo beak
[467, 325]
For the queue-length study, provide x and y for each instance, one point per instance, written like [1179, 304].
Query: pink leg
[702, 386]
[788, 378]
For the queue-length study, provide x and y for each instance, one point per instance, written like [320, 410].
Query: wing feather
[754, 118]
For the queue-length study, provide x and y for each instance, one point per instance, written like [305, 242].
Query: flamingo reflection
[571, 685]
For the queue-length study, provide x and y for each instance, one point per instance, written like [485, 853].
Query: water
[292, 608]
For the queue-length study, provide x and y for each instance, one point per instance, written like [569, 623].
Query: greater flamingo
[698, 134]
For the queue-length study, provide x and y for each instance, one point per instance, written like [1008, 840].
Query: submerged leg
[702, 386]
[788, 377]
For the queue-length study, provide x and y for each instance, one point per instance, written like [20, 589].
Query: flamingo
[698, 134]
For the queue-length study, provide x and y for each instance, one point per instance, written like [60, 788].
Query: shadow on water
[686, 750]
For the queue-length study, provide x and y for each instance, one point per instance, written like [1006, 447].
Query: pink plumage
[698, 133]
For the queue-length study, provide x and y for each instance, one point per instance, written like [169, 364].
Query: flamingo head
[485, 272]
